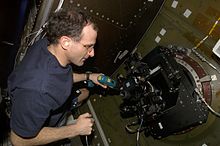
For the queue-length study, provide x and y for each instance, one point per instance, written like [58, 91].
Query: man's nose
[91, 53]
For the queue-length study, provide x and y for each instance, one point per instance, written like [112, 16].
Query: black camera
[159, 92]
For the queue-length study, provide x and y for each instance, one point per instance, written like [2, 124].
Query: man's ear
[65, 42]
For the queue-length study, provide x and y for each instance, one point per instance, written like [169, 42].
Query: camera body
[160, 93]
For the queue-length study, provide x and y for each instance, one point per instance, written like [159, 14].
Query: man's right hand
[84, 124]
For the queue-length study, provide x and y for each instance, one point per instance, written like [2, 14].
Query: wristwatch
[88, 75]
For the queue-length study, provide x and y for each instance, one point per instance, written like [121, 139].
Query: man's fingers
[86, 115]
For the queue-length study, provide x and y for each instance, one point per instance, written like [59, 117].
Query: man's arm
[92, 76]
[83, 126]
[79, 77]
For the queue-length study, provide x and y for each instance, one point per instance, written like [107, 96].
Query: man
[40, 86]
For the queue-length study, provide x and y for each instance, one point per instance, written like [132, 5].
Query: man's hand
[84, 124]
[94, 78]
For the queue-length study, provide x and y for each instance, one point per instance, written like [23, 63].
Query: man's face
[84, 48]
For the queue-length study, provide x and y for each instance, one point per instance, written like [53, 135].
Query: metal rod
[98, 125]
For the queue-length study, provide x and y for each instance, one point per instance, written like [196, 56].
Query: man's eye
[89, 46]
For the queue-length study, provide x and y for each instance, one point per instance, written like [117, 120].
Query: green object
[106, 80]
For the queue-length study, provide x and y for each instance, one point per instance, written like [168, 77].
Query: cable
[202, 58]
[213, 27]
[38, 32]
[138, 132]
[59, 6]
[210, 32]
[87, 142]
[41, 29]
[86, 136]
[209, 107]
[201, 42]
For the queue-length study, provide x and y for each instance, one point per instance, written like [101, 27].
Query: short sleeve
[30, 110]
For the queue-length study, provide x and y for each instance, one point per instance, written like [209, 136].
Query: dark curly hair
[67, 22]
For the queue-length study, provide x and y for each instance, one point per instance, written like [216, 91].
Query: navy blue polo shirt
[39, 88]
